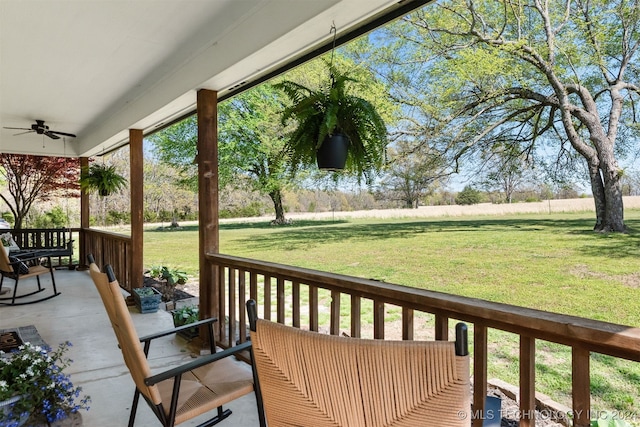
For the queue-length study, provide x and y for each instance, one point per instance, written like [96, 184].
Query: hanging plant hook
[333, 49]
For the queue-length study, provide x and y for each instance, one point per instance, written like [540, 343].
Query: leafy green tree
[252, 142]
[539, 73]
[468, 196]
[251, 145]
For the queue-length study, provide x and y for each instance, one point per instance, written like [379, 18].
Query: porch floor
[78, 316]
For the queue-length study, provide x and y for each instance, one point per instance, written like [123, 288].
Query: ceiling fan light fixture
[41, 129]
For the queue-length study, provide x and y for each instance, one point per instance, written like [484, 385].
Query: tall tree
[505, 170]
[251, 145]
[542, 73]
[37, 178]
[412, 172]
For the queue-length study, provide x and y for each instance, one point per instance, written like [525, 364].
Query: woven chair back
[128, 340]
[312, 379]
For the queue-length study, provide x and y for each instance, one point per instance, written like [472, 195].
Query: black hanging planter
[332, 154]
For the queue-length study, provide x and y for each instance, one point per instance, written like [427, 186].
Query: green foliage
[332, 109]
[172, 275]
[468, 196]
[8, 216]
[144, 292]
[252, 209]
[117, 218]
[609, 420]
[102, 179]
[55, 218]
[185, 315]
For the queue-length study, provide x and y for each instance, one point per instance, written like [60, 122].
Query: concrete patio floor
[78, 316]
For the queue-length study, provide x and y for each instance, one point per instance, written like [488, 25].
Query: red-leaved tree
[37, 178]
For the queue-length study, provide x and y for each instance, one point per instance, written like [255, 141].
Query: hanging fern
[329, 110]
[101, 179]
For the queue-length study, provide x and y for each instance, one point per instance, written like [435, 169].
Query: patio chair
[181, 393]
[312, 379]
[24, 267]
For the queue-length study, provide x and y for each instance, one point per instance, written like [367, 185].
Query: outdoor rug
[12, 338]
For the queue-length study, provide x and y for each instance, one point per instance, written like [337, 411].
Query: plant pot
[6, 404]
[187, 333]
[332, 154]
[147, 299]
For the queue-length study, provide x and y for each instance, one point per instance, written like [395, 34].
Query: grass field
[552, 262]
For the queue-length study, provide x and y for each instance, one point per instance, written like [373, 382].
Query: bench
[56, 242]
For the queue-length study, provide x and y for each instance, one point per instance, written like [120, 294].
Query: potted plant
[333, 127]
[38, 391]
[184, 316]
[147, 299]
[168, 278]
[101, 179]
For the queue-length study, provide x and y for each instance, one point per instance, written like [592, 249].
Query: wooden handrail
[109, 248]
[581, 334]
[602, 337]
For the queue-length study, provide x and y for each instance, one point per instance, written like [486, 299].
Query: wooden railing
[58, 241]
[242, 278]
[109, 248]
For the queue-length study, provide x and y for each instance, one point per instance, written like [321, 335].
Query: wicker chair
[312, 379]
[25, 267]
[182, 393]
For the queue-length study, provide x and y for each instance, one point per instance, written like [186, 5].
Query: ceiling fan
[41, 129]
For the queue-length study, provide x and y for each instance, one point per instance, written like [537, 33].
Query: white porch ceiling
[96, 68]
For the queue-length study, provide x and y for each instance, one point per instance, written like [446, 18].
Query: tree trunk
[276, 197]
[607, 195]
[597, 189]
[614, 209]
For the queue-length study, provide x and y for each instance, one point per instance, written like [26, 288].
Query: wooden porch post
[84, 216]
[137, 206]
[209, 242]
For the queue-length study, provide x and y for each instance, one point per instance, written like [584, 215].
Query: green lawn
[549, 262]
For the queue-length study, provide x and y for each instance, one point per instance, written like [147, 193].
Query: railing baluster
[232, 307]
[220, 324]
[442, 327]
[280, 299]
[378, 320]
[295, 296]
[313, 308]
[407, 324]
[479, 373]
[253, 285]
[267, 297]
[527, 381]
[580, 387]
[356, 310]
[334, 323]
[242, 298]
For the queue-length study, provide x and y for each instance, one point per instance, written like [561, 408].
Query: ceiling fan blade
[51, 135]
[22, 133]
[18, 128]
[62, 133]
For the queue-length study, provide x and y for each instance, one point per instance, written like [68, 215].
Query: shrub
[468, 196]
